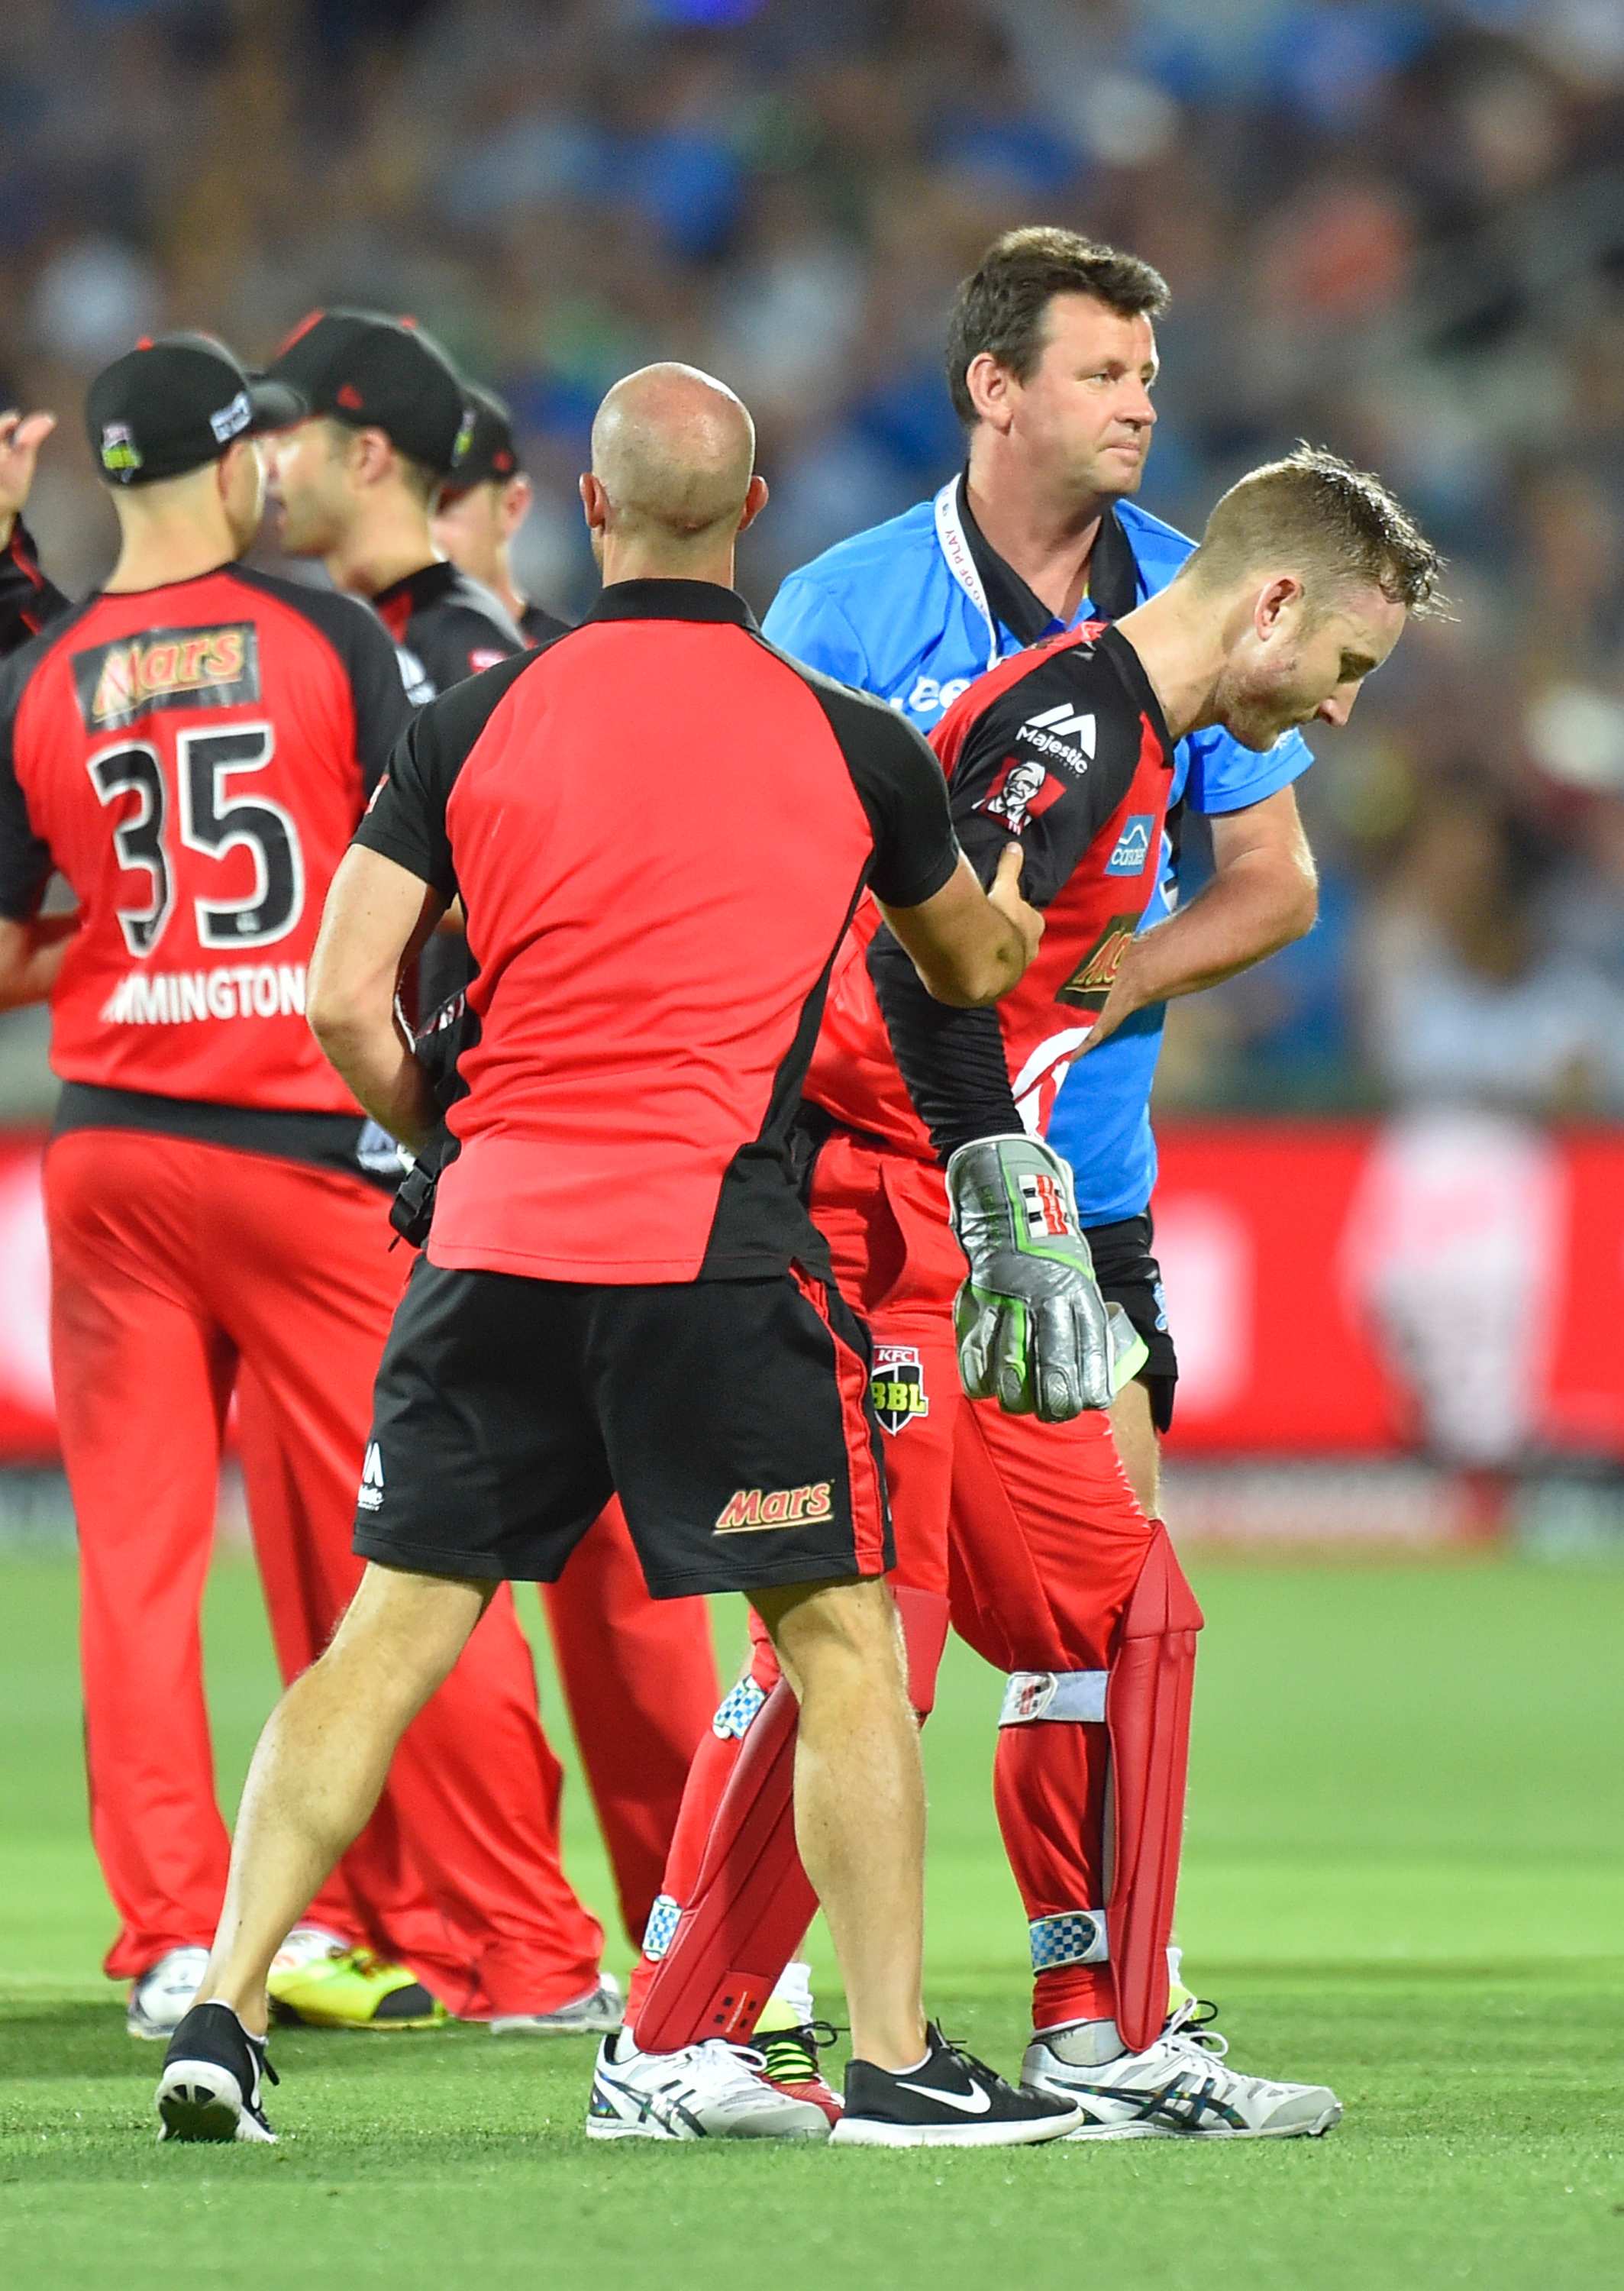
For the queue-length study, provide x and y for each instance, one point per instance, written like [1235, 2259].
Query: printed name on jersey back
[118, 683]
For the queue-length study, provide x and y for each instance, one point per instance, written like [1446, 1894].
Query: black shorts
[730, 1417]
[1129, 1276]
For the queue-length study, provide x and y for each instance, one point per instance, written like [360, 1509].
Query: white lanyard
[956, 548]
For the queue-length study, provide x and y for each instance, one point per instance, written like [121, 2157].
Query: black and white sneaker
[210, 2087]
[950, 2100]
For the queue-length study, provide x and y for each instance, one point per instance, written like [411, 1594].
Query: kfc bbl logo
[896, 1387]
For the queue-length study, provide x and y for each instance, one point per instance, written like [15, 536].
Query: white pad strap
[1070, 1937]
[1077, 1696]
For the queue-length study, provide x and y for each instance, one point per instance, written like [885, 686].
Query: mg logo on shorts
[749, 1510]
[896, 1386]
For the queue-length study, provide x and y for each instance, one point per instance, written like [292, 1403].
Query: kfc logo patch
[1023, 791]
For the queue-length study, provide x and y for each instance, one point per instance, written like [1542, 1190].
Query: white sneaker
[601, 2010]
[1179, 2089]
[161, 1999]
[713, 2091]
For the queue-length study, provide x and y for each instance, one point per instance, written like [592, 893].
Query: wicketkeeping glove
[1034, 1333]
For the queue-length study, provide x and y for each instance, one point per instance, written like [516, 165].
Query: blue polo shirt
[914, 611]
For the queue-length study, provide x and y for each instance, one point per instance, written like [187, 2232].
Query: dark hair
[1001, 306]
[1335, 522]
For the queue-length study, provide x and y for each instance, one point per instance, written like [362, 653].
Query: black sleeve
[28, 601]
[406, 820]
[25, 859]
[1052, 786]
[901, 787]
[454, 641]
[383, 710]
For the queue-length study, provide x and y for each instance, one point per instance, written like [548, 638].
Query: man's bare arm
[376, 918]
[31, 957]
[969, 945]
[1263, 895]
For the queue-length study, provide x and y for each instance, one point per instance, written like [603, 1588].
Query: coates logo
[1132, 845]
[896, 1386]
[1049, 1213]
[167, 668]
[1064, 733]
[1023, 791]
[748, 1510]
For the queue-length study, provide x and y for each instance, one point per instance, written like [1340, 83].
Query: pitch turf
[1405, 1876]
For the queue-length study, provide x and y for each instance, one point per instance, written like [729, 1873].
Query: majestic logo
[1090, 983]
[1023, 791]
[748, 1510]
[896, 1388]
[1132, 845]
[231, 419]
[120, 454]
[1064, 733]
[117, 684]
[1049, 1213]
[371, 1479]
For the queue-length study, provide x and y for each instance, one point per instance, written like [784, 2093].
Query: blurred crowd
[1395, 226]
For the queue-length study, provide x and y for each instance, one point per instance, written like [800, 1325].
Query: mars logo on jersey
[748, 1509]
[1092, 980]
[1023, 791]
[119, 683]
[897, 1385]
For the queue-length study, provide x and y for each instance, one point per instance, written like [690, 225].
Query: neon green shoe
[317, 1980]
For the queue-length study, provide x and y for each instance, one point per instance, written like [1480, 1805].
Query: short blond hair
[1317, 514]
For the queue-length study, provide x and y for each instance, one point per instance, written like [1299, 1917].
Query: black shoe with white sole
[212, 2072]
[952, 2100]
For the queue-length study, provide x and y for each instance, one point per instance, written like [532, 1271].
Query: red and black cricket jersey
[193, 759]
[447, 627]
[1065, 748]
[659, 828]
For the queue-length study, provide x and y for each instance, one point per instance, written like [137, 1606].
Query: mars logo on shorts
[117, 684]
[897, 1385]
[748, 1509]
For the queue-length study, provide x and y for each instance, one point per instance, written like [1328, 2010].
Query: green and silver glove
[1034, 1333]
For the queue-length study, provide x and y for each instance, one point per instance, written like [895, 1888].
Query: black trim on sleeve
[900, 785]
[26, 859]
[953, 1061]
[406, 820]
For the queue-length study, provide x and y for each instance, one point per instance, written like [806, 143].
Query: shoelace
[978, 2067]
[791, 2055]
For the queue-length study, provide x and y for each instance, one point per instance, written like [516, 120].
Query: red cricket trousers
[179, 1270]
[1031, 1531]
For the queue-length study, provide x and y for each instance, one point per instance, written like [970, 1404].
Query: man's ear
[517, 496]
[993, 390]
[594, 504]
[755, 502]
[1275, 603]
[369, 457]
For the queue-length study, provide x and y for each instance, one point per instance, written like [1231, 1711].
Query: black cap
[176, 404]
[378, 373]
[490, 456]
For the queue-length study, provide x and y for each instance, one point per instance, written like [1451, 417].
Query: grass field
[1405, 1876]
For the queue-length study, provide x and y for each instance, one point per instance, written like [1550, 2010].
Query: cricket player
[1022, 1527]
[622, 1226]
[191, 748]
[392, 425]
[482, 506]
